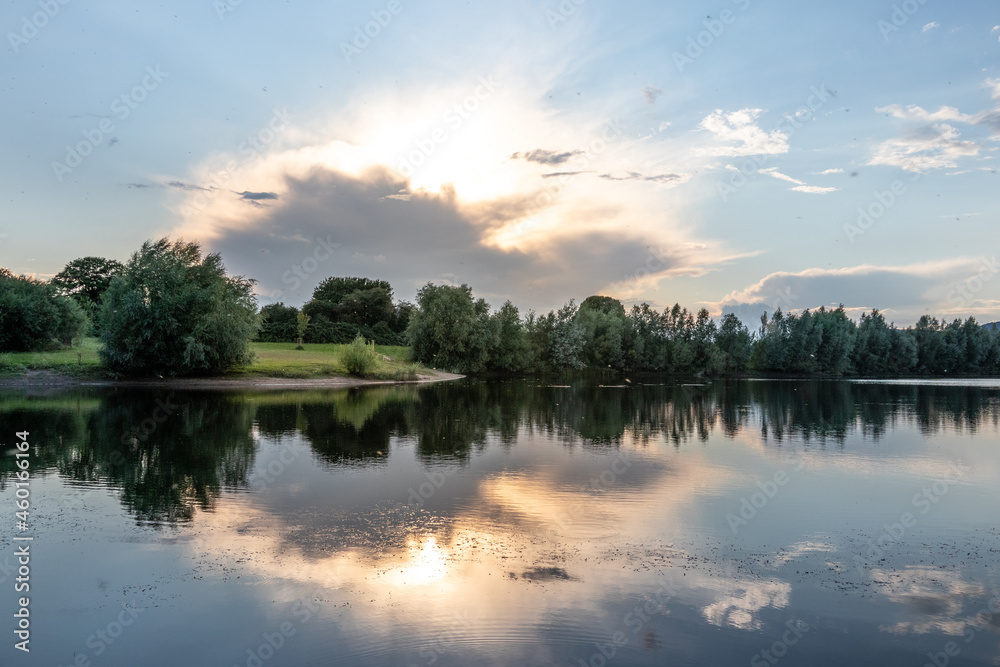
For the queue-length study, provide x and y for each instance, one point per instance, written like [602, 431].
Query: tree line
[451, 329]
[171, 310]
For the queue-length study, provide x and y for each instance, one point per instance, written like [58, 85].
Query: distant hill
[993, 326]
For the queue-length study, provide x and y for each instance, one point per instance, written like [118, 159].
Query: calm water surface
[510, 523]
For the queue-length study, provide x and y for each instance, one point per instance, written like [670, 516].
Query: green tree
[567, 339]
[450, 329]
[359, 301]
[511, 353]
[34, 316]
[278, 323]
[87, 278]
[734, 343]
[604, 322]
[174, 312]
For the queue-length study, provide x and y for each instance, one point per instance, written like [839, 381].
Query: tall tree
[87, 278]
[451, 329]
[174, 312]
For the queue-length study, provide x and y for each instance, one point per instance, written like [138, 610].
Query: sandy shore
[54, 379]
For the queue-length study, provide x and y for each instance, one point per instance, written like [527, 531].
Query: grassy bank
[272, 360]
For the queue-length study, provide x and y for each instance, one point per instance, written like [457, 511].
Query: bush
[172, 312]
[34, 317]
[360, 358]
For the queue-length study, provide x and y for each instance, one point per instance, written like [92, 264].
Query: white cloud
[814, 189]
[773, 171]
[740, 128]
[905, 292]
[914, 112]
[800, 186]
[829, 171]
[935, 146]
[932, 140]
[931, 26]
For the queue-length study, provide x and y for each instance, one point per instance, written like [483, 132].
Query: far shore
[51, 379]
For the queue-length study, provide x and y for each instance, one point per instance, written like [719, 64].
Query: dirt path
[54, 379]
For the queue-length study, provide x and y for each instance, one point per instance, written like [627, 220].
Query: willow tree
[172, 311]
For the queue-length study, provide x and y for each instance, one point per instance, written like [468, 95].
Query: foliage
[33, 316]
[511, 352]
[278, 323]
[735, 345]
[567, 339]
[174, 312]
[451, 330]
[87, 278]
[360, 358]
[301, 324]
[359, 301]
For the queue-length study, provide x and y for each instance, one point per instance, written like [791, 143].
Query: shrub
[34, 317]
[360, 358]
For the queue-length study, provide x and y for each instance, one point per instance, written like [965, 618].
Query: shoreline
[34, 379]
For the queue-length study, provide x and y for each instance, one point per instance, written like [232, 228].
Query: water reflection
[173, 452]
[524, 523]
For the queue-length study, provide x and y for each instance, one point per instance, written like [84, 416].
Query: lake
[600, 522]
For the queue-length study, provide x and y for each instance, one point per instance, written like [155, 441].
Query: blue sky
[736, 156]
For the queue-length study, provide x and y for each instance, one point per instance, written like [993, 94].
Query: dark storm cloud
[180, 185]
[330, 224]
[542, 156]
[256, 196]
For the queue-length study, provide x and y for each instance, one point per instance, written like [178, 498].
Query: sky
[733, 155]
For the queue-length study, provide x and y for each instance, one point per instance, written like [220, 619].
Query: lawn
[78, 360]
[323, 360]
[272, 360]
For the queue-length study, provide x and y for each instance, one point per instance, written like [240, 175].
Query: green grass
[81, 359]
[272, 360]
[323, 360]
